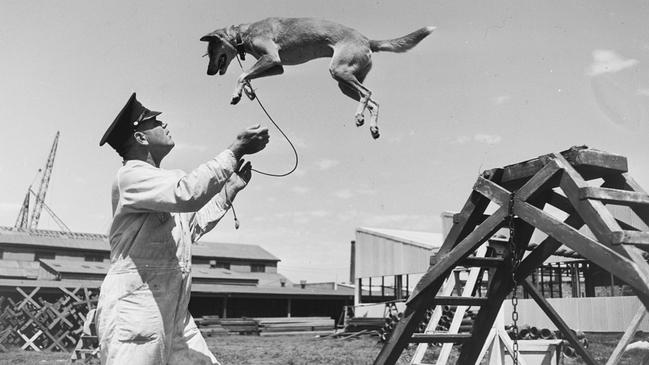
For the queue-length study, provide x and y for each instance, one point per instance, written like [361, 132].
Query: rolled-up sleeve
[145, 188]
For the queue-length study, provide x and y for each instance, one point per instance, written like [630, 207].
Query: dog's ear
[216, 35]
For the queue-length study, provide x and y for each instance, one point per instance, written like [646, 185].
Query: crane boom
[45, 180]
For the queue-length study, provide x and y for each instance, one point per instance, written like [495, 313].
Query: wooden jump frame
[580, 182]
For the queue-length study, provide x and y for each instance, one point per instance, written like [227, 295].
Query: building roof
[19, 269]
[76, 267]
[99, 242]
[232, 251]
[58, 239]
[428, 240]
[267, 290]
[218, 273]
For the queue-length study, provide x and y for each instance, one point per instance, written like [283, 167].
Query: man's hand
[241, 177]
[249, 141]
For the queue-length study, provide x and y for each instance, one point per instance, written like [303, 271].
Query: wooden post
[225, 307]
[352, 262]
[288, 307]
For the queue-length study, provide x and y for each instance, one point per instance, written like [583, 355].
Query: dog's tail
[402, 44]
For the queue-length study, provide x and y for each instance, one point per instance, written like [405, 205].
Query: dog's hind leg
[350, 67]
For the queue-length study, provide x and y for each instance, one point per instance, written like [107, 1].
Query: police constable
[142, 316]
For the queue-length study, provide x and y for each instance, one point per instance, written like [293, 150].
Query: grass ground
[299, 350]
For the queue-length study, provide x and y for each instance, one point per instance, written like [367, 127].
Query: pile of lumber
[295, 324]
[215, 326]
[32, 323]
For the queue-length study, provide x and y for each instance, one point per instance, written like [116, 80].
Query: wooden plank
[594, 213]
[28, 298]
[592, 163]
[541, 181]
[614, 196]
[464, 223]
[492, 191]
[588, 248]
[459, 252]
[600, 221]
[439, 337]
[558, 321]
[625, 237]
[600, 162]
[461, 300]
[473, 261]
[500, 285]
[628, 335]
[626, 182]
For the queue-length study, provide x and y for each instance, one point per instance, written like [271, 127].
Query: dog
[276, 42]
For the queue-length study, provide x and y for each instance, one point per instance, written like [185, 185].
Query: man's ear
[140, 138]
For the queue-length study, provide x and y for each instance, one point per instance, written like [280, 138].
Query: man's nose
[164, 125]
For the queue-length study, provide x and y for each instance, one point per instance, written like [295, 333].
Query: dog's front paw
[235, 99]
[375, 132]
[360, 120]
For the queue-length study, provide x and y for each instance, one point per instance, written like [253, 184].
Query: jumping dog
[276, 42]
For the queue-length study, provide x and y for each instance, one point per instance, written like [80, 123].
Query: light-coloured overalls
[142, 316]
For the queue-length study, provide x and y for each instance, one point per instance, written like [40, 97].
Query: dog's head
[220, 51]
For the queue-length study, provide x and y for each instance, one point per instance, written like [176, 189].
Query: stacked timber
[357, 324]
[295, 324]
[32, 323]
[214, 326]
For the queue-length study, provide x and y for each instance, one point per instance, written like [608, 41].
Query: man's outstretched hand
[249, 141]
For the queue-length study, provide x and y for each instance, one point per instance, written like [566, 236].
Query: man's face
[157, 134]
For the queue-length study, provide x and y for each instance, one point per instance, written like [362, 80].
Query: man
[142, 316]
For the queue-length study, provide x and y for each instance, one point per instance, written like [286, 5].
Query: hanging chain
[515, 263]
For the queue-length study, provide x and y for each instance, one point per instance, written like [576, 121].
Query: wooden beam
[630, 238]
[626, 182]
[617, 353]
[500, 285]
[492, 191]
[588, 248]
[590, 162]
[558, 321]
[540, 182]
[455, 300]
[472, 261]
[439, 337]
[600, 221]
[614, 196]
[459, 252]
[463, 224]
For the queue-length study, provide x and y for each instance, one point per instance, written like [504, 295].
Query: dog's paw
[235, 99]
[375, 132]
[360, 120]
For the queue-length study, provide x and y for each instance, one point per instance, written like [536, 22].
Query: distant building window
[45, 255]
[257, 268]
[93, 259]
[219, 265]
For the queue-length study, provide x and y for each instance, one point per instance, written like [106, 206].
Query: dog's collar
[238, 43]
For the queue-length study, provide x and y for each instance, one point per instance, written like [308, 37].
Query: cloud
[607, 61]
[643, 92]
[487, 138]
[480, 138]
[501, 99]
[326, 164]
[343, 194]
[300, 190]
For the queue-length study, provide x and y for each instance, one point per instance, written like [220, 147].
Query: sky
[497, 83]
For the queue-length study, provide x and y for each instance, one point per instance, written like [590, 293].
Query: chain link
[515, 260]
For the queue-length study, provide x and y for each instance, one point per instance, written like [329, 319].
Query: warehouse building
[229, 280]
